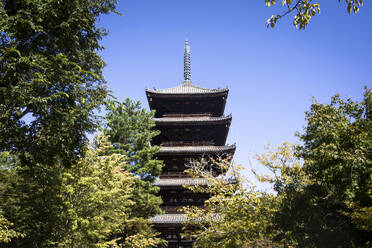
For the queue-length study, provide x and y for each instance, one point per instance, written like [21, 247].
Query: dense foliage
[337, 145]
[91, 203]
[235, 215]
[50, 77]
[130, 128]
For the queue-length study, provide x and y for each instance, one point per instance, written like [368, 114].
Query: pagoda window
[172, 236]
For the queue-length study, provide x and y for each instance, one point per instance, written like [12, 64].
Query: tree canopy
[130, 128]
[88, 205]
[50, 76]
[235, 215]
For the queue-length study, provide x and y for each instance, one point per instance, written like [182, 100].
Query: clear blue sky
[271, 73]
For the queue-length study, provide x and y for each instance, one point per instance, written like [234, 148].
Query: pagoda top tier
[187, 98]
[187, 88]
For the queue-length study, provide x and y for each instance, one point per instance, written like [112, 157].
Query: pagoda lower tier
[192, 130]
[175, 196]
[177, 158]
[173, 192]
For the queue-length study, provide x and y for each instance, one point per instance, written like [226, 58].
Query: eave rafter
[196, 150]
[205, 120]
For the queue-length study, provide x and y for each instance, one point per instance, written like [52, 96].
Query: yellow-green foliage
[97, 192]
[235, 215]
[6, 231]
[284, 167]
[95, 195]
[90, 204]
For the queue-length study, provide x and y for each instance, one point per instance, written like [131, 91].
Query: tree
[95, 196]
[50, 77]
[98, 207]
[327, 201]
[337, 145]
[289, 180]
[50, 84]
[130, 128]
[235, 215]
[304, 10]
[94, 205]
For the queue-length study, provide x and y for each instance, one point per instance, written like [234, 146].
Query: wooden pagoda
[192, 124]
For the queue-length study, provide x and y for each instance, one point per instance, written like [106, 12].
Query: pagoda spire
[186, 63]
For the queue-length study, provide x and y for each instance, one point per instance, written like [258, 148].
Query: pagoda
[192, 125]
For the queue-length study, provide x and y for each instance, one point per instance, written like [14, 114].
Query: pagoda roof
[193, 119]
[177, 218]
[187, 88]
[195, 149]
[180, 181]
[168, 219]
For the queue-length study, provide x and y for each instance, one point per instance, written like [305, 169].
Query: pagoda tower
[193, 125]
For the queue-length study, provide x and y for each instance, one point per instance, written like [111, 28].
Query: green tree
[304, 10]
[130, 128]
[97, 197]
[50, 77]
[94, 206]
[288, 180]
[327, 201]
[50, 84]
[235, 215]
[337, 145]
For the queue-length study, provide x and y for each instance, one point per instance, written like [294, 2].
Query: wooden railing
[187, 143]
[188, 115]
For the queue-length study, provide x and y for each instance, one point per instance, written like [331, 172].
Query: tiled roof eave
[168, 219]
[177, 218]
[186, 88]
[186, 93]
[193, 120]
[196, 149]
[154, 95]
[174, 182]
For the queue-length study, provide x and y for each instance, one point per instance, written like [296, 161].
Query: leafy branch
[305, 10]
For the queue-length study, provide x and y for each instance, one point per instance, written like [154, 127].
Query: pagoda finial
[187, 72]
